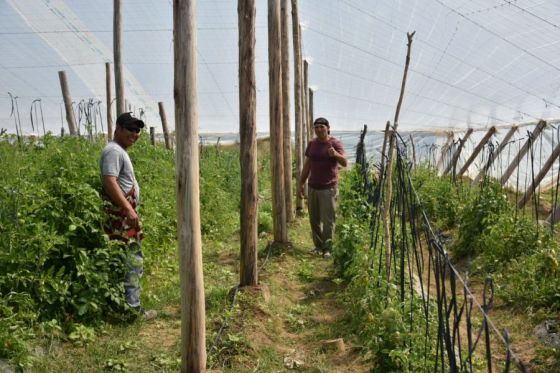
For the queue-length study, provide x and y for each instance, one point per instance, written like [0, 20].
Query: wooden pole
[70, 117]
[413, 146]
[444, 150]
[280, 231]
[513, 165]
[248, 274]
[392, 144]
[163, 117]
[453, 164]
[109, 100]
[477, 150]
[193, 329]
[540, 176]
[308, 122]
[383, 161]
[495, 154]
[286, 125]
[298, 100]
[117, 56]
[311, 115]
[153, 135]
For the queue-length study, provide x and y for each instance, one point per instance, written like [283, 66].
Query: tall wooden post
[286, 126]
[495, 154]
[413, 146]
[540, 176]
[444, 150]
[513, 165]
[476, 150]
[163, 117]
[457, 153]
[280, 231]
[296, 36]
[248, 275]
[311, 114]
[389, 179]
[193, 331]
[383, 161]
[308, 123]
[117, 56]
[109, 100]
[70, 117]
[153, 135]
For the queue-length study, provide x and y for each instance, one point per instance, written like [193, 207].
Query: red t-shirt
[324, 168]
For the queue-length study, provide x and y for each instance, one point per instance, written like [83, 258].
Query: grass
[267, 330]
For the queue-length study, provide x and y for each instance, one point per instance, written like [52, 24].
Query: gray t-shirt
[116, 162]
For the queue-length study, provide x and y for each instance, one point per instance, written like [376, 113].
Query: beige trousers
[322, 216]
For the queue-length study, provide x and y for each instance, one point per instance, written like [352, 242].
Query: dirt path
[286, 322]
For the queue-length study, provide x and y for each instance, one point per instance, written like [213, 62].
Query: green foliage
[477, 216]
[441, 199]
[220, 191]
[381, 321]
[355, 213]
[522, 257]
[508, 238]
[532, 281]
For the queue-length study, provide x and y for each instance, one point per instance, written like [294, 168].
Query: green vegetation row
[485, 229]
[61, 277]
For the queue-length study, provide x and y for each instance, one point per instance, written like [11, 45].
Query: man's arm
[304, 174]
[113, 190]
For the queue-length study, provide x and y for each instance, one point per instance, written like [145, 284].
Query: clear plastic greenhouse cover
[474, 63]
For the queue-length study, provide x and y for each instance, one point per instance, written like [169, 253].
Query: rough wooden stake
[540, 176]
[308, 122]
[109, 100]
[298, 100]
[248, 218]
[193, 328]
[117, 56]
[495, 154]
[163, 117]
[280, 231]
[477, 150]
[413, 146]
[513, 165]
[453, 164]
[70, 117]
[286, 126]
[153, 135]
[444, 149]
[392, 143]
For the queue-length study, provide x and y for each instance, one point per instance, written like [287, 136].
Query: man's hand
[302, 190]
[131, 217]
[332, 152]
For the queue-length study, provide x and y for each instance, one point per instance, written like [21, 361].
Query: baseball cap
[127, 120]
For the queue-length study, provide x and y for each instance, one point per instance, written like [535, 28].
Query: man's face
[321, 130]
[127, 135]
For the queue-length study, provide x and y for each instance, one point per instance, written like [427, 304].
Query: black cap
[127, 120]
[322, 121]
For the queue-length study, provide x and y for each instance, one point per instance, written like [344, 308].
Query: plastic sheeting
[474, 63]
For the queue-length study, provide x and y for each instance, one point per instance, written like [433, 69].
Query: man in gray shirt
[122, 192]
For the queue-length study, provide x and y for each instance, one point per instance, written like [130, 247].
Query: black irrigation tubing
[487, 304]
[450, 313]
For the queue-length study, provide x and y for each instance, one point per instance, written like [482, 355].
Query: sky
[474, 63]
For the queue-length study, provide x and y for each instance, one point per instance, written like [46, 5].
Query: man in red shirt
[323, 156]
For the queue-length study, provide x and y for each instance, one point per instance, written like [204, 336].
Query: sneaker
[148, 315]
[316, 251]
[327, 255]
[145, 315]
